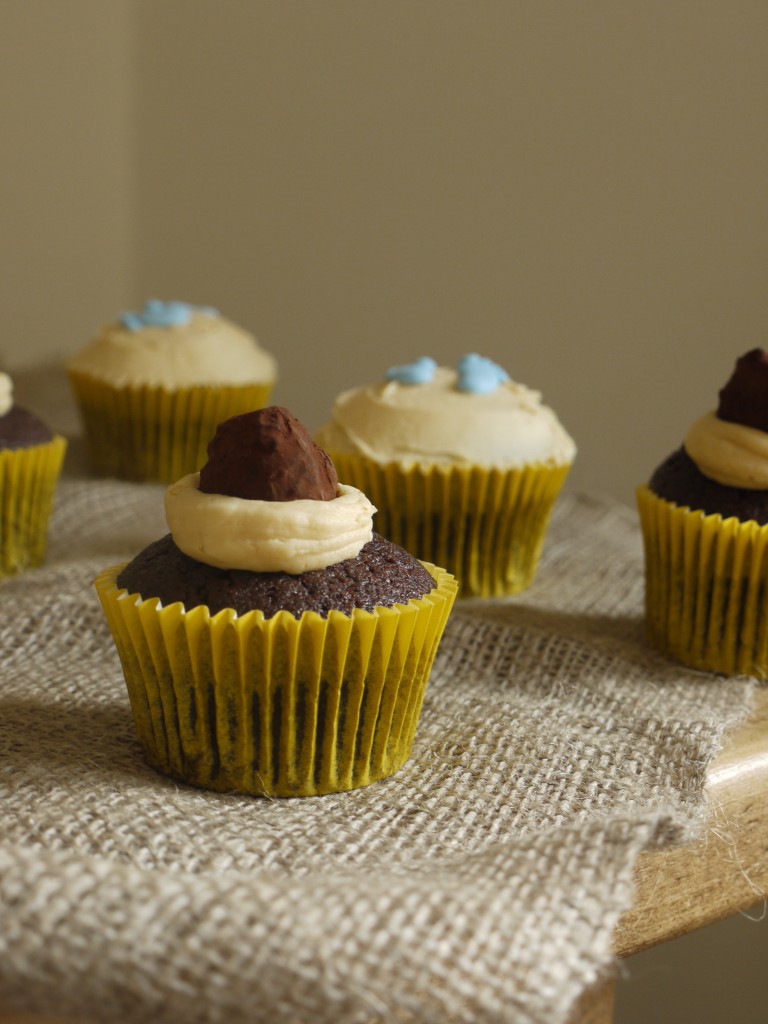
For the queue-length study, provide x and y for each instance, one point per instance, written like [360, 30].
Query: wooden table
[690, 886]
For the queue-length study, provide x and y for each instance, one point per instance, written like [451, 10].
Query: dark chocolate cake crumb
[382, 574]
[20, 428]
[679, 480]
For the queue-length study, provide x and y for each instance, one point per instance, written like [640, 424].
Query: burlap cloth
[482, 883]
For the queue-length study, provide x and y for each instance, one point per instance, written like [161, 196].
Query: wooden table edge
[725, 871]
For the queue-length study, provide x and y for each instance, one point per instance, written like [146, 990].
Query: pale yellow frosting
[729, 453]
[267, 536]
[6, 394]
[433, 422]
[207, 350]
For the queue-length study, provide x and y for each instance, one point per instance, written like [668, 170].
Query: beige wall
[66, 171]
[576, 190]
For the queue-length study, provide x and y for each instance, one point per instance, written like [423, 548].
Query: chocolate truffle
[744, 399]
[269, 456]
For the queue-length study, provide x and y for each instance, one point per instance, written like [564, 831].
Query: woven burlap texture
[481, 884]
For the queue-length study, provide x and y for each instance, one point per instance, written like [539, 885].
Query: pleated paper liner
[705, 587]
[486, 526]
[28, 478]
[279, 706]
[152, 433]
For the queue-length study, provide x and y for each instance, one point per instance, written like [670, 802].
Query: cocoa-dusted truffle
[267, 455]
[744, 399]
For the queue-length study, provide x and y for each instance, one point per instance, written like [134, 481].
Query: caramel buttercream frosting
[729, 453]
[6, 394]
[424, 413]
[268, 500]
[174, 345]
[730, 444]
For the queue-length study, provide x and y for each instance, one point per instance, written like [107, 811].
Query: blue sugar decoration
[162, 314]
[132, 321]
[422, 371]
[479, 376]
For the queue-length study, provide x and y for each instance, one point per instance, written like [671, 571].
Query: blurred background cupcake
[31, 457]
[271, 643]
[704, 517]
[463, 465]
[152, 387]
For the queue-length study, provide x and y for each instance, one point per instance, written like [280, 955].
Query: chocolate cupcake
[271, 643]
[31, 457]
[704, 517]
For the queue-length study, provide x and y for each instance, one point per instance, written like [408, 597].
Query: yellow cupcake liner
[28, 478]
[280, 706]
[705, 587]
[152, 433]
[486, 526]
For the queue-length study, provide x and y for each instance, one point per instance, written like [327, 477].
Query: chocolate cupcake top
[381, 575]
[266, 525]
[19, 428]
[722, 466]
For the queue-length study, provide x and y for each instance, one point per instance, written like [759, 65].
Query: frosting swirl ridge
[729, 453]
[6, 393]
[436, 422]
[267, 536]
[204, 350]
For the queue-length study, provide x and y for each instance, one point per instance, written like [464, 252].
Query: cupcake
[463, 465]
[704, 519]
[31, 457]
[152, 387]
[272, 644]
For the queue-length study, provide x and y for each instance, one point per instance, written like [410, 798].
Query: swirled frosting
[730, 444]
[267, 536]
[434, 421]
[6, 394]
[729, 453]
[267, 500]
[203, 349]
